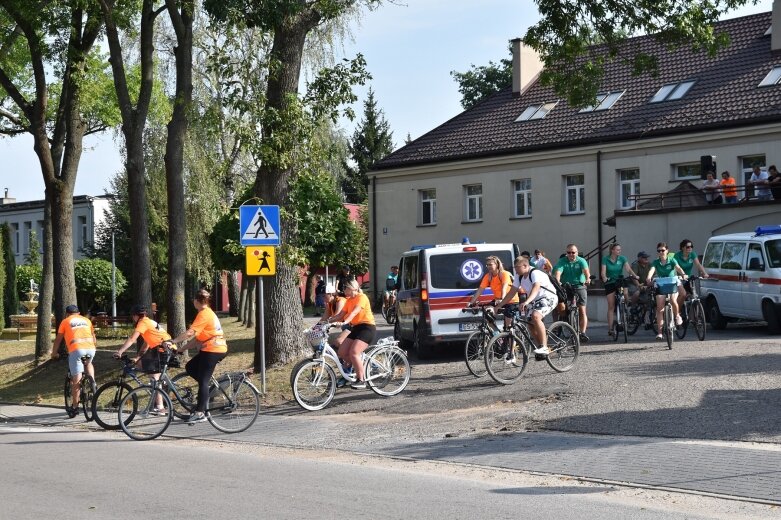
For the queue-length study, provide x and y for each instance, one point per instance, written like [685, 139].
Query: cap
[330, 289]
[643, 254]
[71, 309]
[137, 310]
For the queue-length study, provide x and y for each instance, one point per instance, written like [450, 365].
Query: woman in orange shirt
[728, 188]
[357, 311]
[500, 282]
[207, 331]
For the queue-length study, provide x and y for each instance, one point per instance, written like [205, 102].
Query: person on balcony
[728, 188]
[712, 189]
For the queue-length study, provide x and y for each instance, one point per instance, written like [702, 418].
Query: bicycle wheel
[474, 353]
[681, 331]
[67, 393]
[233, 404]
[506, 358]
[668, 325]
[391, 317]
[698, 319]
[564, 344]
[105, 406]
[623, 321]
[633, 320]
[314, 384]
[136, 415]
[187, 387]
[87, 396]
[387, 371]
[384, 311]
[574, 318]
[616, 318]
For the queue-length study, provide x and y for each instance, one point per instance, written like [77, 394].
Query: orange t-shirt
[209, 331]
[78, 332]
[151, 331]
[728, 186]
[365, 315]
[499, 285]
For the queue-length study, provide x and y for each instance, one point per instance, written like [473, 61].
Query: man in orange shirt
[80, 341]
[728, 188]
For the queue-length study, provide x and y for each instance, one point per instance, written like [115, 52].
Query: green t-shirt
[666, 270]
[572, 272]
[686, 265]
[614, 270]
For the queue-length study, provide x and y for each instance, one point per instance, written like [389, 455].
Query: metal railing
[678, 199]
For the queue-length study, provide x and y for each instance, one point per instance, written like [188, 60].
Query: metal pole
[113, 280]
[262, 336]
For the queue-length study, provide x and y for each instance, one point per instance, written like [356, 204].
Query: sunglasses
[661, 250]
[688, 246]
[572, 252]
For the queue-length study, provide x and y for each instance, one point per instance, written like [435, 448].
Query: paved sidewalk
[747, 471]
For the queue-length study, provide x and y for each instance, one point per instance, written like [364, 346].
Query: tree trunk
[43, 336]
[233, 293]
[309, 290]
[249, 308]
[243, 299]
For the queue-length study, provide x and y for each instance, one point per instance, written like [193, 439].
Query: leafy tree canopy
[93, 282]
[478, 83]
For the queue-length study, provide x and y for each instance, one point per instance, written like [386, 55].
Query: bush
[93, 283]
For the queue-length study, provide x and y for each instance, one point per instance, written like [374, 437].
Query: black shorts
[150, 361]
[510, 310]
[687, 285]
[610, 288]
[363, 332]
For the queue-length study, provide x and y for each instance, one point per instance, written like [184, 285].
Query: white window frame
[773, 77]
[473, 203]
[693, 168]
[634, 187]
[82, 232]
[536, 111]
[578, 191]
[428, 207]
[672, 91]
[522, 198]
[605, 100]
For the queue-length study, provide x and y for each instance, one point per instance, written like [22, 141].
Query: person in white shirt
[540, 299]
[759, 179]
[712, 189]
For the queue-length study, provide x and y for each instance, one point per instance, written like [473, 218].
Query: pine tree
[10, 296]
[371, 142]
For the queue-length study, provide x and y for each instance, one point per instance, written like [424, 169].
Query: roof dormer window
[772, 77]
[537, 111]
[605, 100]
[672, 91]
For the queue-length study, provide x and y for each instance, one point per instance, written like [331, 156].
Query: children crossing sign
[259, 225]
[261, 261]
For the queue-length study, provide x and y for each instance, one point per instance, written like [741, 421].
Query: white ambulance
[745, 277]
[437, 281]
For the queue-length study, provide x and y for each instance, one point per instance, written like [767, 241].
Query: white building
[23, 217]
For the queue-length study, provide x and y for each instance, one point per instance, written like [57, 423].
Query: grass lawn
[24, 383]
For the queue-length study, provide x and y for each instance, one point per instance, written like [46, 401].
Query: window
[15, 238]
[712, 255]
[446, 269]
[605, 100]
[628, 186]
[747, 167]
[536, 111]
[755, 260]
[672, 91]
[773, 249]
[82, 233]
[409, 270]
[473, 203]
[522, 198]
[772, 78]
[686, 172]
[733, 255]
[574, 192]
[28, 226]
[428, 207]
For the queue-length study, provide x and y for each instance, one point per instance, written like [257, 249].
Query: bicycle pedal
[540, 357]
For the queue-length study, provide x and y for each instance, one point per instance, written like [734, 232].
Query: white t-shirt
[763, 176]
[535, 276]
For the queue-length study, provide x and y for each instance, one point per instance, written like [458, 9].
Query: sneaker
[542, 351]
[619, 328]
[583, 338]
[358, 385]
[610, 333]
[509, 359]
[678, 320]
[659, 337]
[340, 382]
[72, 412]
[196, 417]
[159, 411]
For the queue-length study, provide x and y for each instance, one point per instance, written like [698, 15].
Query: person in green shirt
[614, 267]
[665, 267]
[687, 258]
[573, 269]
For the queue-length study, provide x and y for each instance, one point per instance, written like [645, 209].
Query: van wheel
[715, 317]
[421, 348]
[770, 313]
[403, 343]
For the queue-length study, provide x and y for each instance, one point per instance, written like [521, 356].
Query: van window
[713, 255]
[734, 253]
[755, 261]
[446, 270]
[773, 249]
[410, 272]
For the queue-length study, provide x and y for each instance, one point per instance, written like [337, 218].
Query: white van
[437, 281]
[745, 277]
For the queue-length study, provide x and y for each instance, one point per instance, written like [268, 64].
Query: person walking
[79, 336]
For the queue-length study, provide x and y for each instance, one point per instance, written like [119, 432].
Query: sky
[410, 51]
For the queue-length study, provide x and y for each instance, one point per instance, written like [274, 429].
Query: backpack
[559, 292]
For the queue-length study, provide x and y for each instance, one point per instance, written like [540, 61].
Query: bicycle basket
[316, 334]
[667, 285]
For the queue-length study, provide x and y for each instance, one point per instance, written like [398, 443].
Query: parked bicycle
[314, 379]
[234, 402]
[692, 312]
[105, 405]
[507, 354]
[476, 343]
[620, 312]
[86, 390]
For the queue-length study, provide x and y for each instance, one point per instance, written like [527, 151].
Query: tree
[478, 83]
[33, 256]
[372, 141]
[10, 303]
[26, 273]
[93, 283]
[565, 37]
[3, 288]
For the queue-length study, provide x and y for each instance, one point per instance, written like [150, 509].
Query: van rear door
[408, 294]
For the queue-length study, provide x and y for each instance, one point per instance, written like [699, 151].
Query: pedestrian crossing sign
[261, 261]
[259, 225]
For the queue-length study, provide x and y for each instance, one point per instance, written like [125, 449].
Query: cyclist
[573, 269]
[614, 266]
[357, 311]
[389, 296]
[687, 258]
[207, 331]
[540, 299]
[663, 267]
[500, 282]
[153, 335]
[637, 289]
[80, 341]
[540, 262]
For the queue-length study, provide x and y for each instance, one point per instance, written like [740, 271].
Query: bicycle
[86, 390]
[314, 381]
[571, 313]
[642, 313]
[692, 312]
[389, 311]
[620, 314]
[669, 288]
[507, 354]
[477, 341]
[233, 405]
[107, 398]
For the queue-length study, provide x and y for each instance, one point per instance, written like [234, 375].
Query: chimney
[6, 200]
[775, 27]
[526, 66]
